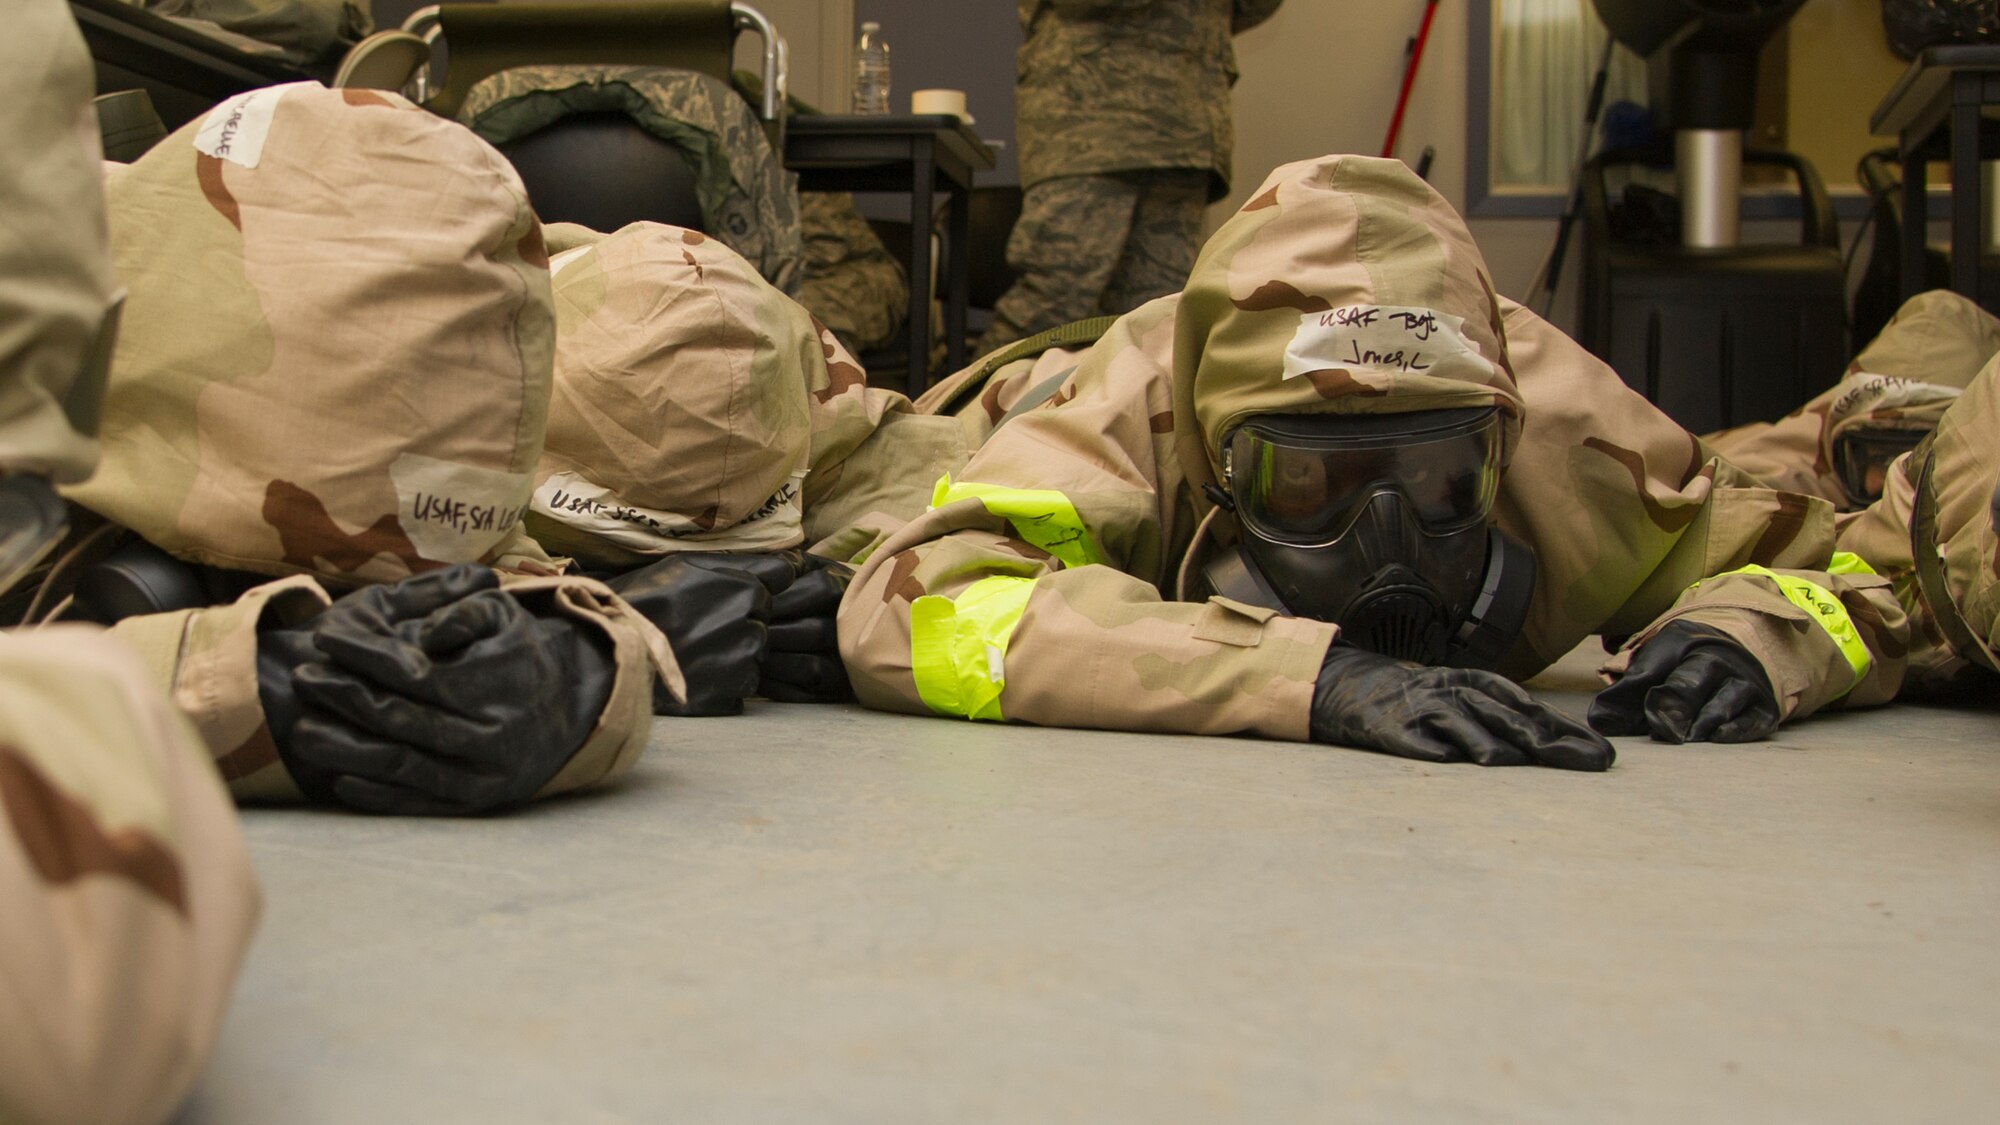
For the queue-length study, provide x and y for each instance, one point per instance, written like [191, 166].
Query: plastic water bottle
[871, 71]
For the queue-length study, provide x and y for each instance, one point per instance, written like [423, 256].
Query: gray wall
[957, 44]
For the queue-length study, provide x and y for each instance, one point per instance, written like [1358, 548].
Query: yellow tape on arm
[1847, 562]
[1042, 516]
[958, 649]
[1825, 609]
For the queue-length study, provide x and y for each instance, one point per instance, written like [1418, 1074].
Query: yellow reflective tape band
[958, 649]
[1826, 609]
[1042, 516]
[1847, 562]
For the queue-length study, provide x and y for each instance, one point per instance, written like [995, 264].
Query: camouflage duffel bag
[679, 417]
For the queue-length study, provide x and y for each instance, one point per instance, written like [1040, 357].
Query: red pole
[1409, 78]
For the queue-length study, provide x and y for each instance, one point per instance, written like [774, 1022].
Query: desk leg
[1916, 219]
[922, 176]
[958, 274]
[1965, 209]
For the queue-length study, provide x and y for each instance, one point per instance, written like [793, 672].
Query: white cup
[940, 101]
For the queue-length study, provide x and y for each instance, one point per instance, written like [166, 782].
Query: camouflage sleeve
[1824, 638]
[643, 655]
[126, 892]
[55, 273]
[1028, 590]
[207, 661]
[1083, 646]
[309, 31]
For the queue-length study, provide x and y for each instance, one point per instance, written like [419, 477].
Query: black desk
[921, 155]
[1937, 111]
[183, 70]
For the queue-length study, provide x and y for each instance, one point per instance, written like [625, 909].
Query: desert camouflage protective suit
[1037, 588]
[1121, 109]
[334, 365]
[1904, 380]
[126, 892]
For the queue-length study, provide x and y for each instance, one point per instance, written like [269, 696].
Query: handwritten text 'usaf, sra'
[461, 516]
[1383, 350]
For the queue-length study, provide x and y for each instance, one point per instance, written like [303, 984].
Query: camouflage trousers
[852, 283]
[1098, 245]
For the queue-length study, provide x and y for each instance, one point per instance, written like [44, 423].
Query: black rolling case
[1715, 337]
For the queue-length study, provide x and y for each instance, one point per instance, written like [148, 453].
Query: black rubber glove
[1374, 702]
[439, 695]
[1689, 683]
[803, 662]
[714, 609]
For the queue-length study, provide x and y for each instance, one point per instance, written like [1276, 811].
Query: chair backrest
[697, 35]
[598, 170]
[387, 60]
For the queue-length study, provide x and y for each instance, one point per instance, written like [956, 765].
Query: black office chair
[599, 167]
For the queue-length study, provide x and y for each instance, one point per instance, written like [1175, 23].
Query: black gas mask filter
[1379, 523]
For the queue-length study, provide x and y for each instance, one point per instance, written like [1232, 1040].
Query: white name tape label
[235, 129]
[454, 512]
[1384, 338]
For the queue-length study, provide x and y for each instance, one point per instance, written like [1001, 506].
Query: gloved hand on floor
[714, 609]
[439, 695]
[1689, 683]
[803, 662]
[1375, 702]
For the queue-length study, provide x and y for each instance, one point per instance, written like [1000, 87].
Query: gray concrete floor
[829, 915]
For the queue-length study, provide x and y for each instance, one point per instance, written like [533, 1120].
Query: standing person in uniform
[1122, 115]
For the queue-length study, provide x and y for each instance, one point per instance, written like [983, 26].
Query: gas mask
[1862, 456]
[1379, 523]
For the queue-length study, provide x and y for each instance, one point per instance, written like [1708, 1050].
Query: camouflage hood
[1905, 379]
[335, 353]
[679, 419]
[1345, 285]
[1935, 337]
[1916, 367]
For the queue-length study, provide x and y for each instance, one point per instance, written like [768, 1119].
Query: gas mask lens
[1862, 457]
[1305, 479]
